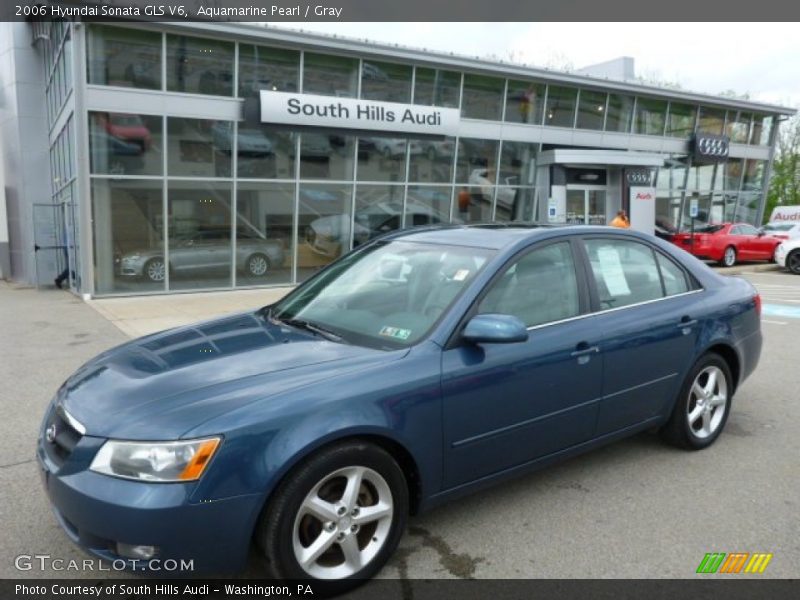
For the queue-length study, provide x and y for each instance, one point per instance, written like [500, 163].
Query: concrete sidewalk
[138, 316]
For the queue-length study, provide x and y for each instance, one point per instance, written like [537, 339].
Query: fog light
[135, 551]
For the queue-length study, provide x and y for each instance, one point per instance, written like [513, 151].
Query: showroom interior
[139, 171]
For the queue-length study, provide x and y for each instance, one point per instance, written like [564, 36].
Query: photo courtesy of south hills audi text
[127, 590]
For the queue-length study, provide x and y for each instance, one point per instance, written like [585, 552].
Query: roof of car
[488, 235]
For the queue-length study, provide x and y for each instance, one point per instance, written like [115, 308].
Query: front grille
[65, 440]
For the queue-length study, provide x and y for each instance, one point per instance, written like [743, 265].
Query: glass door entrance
[586, 206]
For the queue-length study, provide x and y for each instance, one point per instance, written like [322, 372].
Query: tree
[784, 186]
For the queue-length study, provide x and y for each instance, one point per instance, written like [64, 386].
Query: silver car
[204, 251]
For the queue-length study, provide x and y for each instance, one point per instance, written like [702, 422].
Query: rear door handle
[687, 323]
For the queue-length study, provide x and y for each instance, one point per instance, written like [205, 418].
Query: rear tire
[793, 262]
[313, 506]
[703, 404]
[728, 257]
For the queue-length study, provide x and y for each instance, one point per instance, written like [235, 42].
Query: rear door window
[625, 272]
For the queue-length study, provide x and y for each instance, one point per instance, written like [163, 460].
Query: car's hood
[160, 386]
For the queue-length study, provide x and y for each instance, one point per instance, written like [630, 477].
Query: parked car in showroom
[787, 255]
[782, 231]
[204, 251]
[424, 365]
[728, 243]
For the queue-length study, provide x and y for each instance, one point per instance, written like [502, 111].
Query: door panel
[505, 404]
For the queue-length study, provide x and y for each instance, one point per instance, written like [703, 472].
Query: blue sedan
[422, 366]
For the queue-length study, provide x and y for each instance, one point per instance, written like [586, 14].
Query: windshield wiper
[313, 328]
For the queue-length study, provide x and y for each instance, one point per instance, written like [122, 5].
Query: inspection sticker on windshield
[461, 275]
[395, 332]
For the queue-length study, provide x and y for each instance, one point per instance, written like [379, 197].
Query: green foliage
[784, 186]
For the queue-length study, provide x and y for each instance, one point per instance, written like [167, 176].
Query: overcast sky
[761, 59]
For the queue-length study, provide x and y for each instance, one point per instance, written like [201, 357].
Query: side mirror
[761, 233]
[495, 329]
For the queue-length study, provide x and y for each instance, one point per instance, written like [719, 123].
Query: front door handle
[585, 351]
[687, 322]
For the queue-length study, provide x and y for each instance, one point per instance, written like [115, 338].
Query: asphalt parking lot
[635, 509]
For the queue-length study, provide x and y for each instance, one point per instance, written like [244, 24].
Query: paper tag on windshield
[395, 332]
[461, 275]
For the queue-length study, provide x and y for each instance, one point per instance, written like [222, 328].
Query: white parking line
[774, 322]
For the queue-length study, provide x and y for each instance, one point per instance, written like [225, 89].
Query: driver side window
[540, 287]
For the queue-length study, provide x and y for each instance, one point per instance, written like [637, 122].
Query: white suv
[787, 255]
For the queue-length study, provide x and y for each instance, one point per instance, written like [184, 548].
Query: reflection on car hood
[172, 381]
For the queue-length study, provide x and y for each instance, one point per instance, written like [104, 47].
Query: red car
[728, 243]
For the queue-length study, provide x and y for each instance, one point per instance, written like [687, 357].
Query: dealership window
[199, 228]
[701, 177]
[427, 205]
[625, 272]
[738, 126]
[477, 161]
[125, 144]
[650, 116]
[704, 209]
[672, 176]
[680, 121]
[330, 75]
[517, 163]
[482, 98]
[128, 223]
[263, 152]
[591, 110]
[541, 287]
[514, 204]
[711, 120]
[199, 147]
[323, 225]
[434, 162]
[264, 226]
[435, 87]
[732, 173]
[560, 109]
[524, 102]
[384, 159]
[123, 57]
[668, 211]
[327, 156]
[389, 82]
[264, 68]
[753, 179]
[747, 208]
[199, 65]
[620, 113]
[379, 209]
[762, 127]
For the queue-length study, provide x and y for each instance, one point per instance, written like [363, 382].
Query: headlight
[155, 461]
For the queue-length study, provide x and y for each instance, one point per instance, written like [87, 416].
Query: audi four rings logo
[712, 147]
[50, 433]
[638, 177]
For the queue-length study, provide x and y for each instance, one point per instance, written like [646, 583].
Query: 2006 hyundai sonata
[421, 366]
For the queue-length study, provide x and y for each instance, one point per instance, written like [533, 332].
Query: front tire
[728, 257]
[703, 405]
[257, 265]
[793, 262]
[337, 518]
[155, 270]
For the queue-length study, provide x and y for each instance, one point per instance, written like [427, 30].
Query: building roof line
[343, 44]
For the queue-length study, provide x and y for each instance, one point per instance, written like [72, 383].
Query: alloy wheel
[343, 523]
[793, 262]
[257, 265]
[708, 401]
[156, 270]
[730, 256]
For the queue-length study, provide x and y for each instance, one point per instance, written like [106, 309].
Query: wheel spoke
[324, 511]
[317, 548]
[698, 390]
[695, 414]
[707, 423]
[368, 514]
[711, 384]
[352, 554]
[717, 400]
[350, 495]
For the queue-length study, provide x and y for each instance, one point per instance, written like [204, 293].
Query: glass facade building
[169, 187]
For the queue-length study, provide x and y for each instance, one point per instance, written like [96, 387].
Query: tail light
[757, 300]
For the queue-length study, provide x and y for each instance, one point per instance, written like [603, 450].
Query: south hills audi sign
[710, 148]
[331, 112]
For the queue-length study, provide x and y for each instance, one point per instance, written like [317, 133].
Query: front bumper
[96, 511]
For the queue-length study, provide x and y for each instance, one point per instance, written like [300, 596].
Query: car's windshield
[389, 295]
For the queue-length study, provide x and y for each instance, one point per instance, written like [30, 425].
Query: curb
[751, 268]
